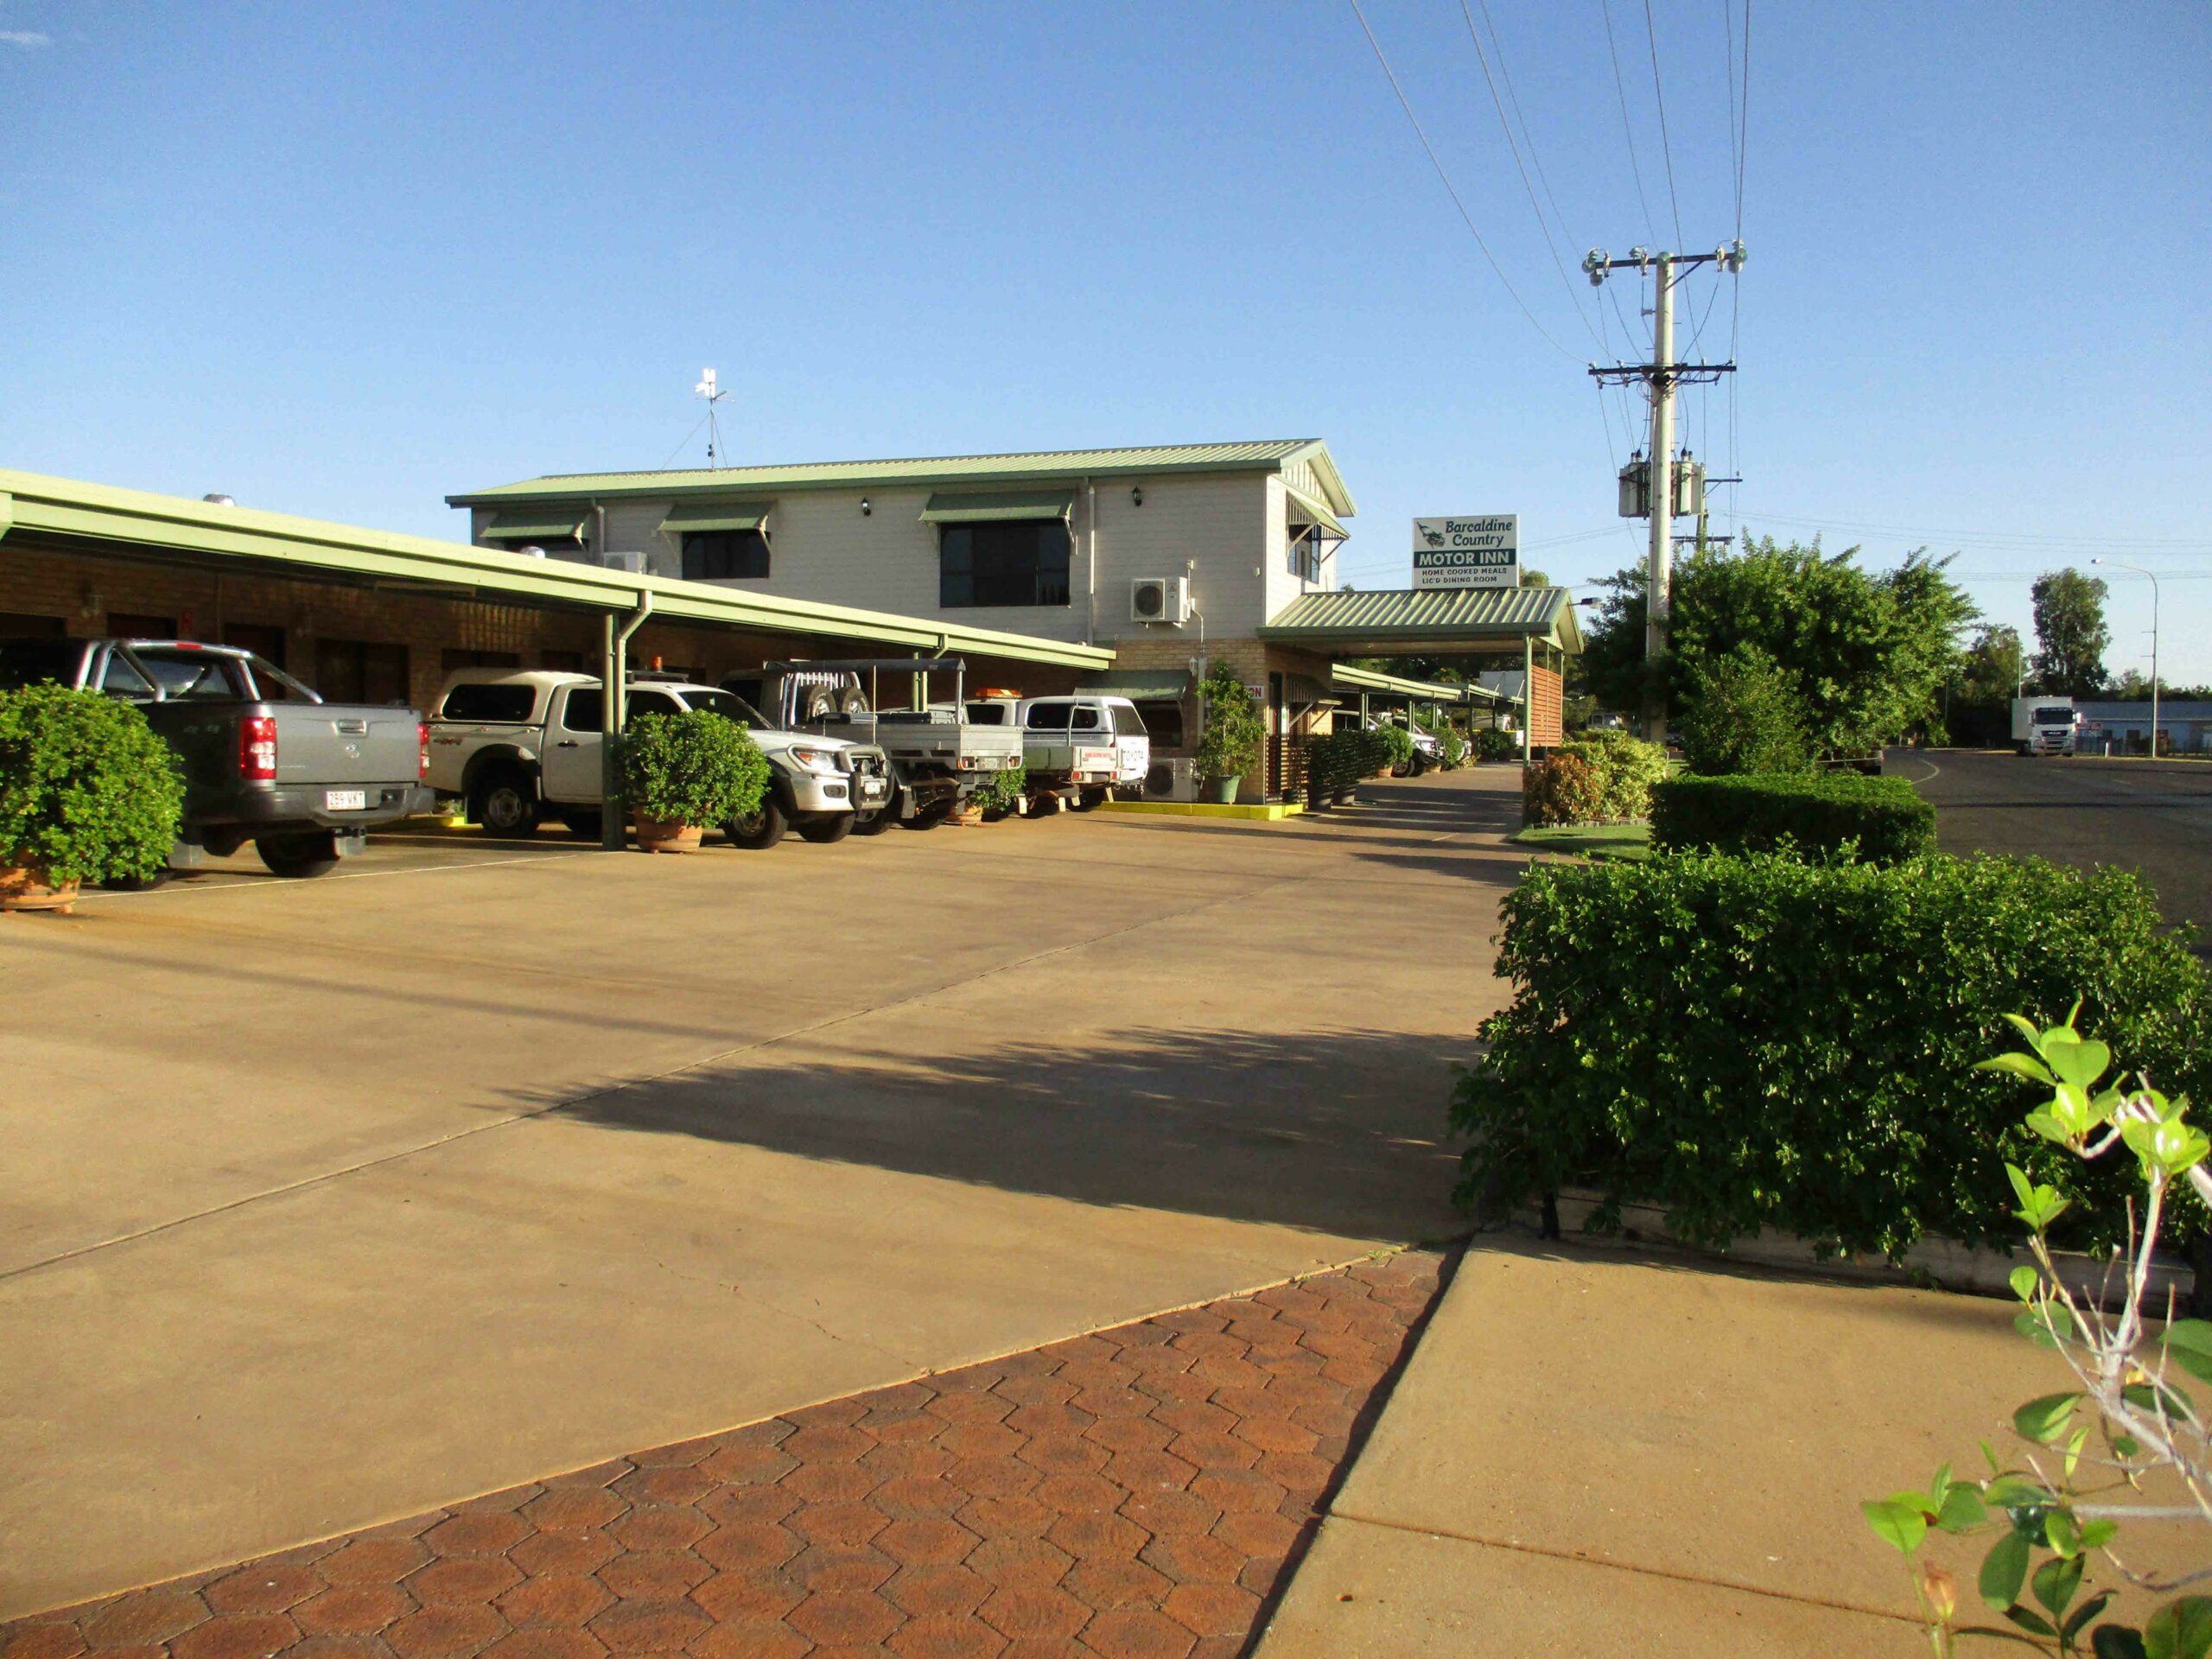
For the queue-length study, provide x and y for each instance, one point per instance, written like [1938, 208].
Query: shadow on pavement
[1340, 1131]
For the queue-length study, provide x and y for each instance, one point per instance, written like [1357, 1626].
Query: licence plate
[345, 800]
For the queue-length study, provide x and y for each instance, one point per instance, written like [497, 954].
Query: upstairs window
[1306, 553]
[1014, 562]
[725, 555]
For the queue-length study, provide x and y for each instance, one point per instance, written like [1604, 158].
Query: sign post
[1479, 550]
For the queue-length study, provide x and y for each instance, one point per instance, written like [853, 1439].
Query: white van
[1080, 747]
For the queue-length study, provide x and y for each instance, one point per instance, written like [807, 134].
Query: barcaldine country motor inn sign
[1481, 550]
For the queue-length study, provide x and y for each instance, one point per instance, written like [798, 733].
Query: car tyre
[505, 804]
[824, 831]
[760, 829]
[930, 817]
[299, 855]
[872, 823]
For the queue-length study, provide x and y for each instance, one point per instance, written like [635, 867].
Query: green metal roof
[1370, 679]
[1069, 465]
[999, 507]
[99, 517]
[714, 515]
[1304, 509]
[1391, 618]
[537, 524]
[1138, 684]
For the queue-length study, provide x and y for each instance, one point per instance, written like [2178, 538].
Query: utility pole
[2153, 575]
[1662, 375]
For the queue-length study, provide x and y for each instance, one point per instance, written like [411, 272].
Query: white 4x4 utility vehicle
[1080, 748]
[519, 745]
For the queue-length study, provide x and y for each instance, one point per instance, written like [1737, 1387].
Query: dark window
[1084, 717]
[360, 671]
[33, 661]
[264, 642]
[1164, 720]
[1048, 717]
[571, 661]
[719, 555]
[460, 657]
[1306, 553]
[586, 709]
[119, 679]
[651, 702]
[1025, 562]
[19, 624]
[194, 675]
[732, 709]
[127, 626]
[990, 714]
[489, 703]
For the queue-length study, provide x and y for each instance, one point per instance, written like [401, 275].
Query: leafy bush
[1003, 793]
[1335, 761]
[1491, 743]
[1455, 748]
[1399, 742]
[87, 791]
[1758, 1041]
[1626, 767]
[1230, 745]
[1745, 714]
[1560, 789]
[696, 768]
[1813, 811]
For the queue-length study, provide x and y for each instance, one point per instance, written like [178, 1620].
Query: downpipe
[614, 689]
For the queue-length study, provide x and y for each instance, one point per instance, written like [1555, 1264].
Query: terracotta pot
[666, 835]
[24, 887]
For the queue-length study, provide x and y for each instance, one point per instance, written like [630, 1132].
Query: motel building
[1119, 570]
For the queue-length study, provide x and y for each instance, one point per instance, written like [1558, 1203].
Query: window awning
[998, 507]
[689, 516]
[1305, 510]
[537, 524]
[1138, 684]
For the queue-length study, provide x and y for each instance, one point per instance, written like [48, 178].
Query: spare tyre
[852, 700]
[816, 703]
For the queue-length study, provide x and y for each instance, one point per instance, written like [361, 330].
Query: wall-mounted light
[1136, 495]
[865, 508]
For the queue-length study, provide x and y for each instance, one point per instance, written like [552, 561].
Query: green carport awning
[997, 506]
[689, 516]
[1137, 685]
[1305, 510]
[537, 524]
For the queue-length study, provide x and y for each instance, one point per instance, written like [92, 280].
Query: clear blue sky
[342, 261]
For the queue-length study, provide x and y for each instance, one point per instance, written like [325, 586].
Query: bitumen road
[2151, 816]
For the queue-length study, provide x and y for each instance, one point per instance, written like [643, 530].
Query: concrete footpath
[1598, 1453]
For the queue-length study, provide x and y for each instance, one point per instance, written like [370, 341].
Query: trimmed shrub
[1626, 767]
[1455, 748]
[1559, 788]
[1812, 812]
[1491, 743]
[1761, 1042]
[1398, 745]
[695, 767]
[1335, 761]
[87, 791]
[1746, 715]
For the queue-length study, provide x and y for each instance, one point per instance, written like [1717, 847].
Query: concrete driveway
[325, 1203]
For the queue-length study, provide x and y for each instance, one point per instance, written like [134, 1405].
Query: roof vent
[217, 499]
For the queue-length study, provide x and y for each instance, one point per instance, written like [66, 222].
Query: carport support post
[1527, 697]
[610, 770]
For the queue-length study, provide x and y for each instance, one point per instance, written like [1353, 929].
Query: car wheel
[505, 804]
[872, 823]
[929, 818]
[823, 831]
[761, 828]
[299, 855]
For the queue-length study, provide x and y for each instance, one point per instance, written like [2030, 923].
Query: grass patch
[1631, 842]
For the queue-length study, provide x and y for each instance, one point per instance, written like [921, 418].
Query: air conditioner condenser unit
[1173, 779]
[1160, 598]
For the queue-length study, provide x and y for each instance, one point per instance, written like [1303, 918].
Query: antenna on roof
[708, 390]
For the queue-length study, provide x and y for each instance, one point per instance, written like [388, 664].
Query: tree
[1744, 715]
[1866, 654]
[2071, 632]
[1990, 671]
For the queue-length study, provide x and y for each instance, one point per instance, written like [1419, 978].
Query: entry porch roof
[1396, 621]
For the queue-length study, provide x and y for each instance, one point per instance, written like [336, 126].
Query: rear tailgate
[339, 745]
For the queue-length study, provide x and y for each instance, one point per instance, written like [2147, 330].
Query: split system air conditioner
[633, 563]
[1160, 598]
[1175, 778]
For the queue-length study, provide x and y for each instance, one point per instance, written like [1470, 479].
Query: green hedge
[1491, 743]
[1760, 1041]
[1559, 789]
[1626, 769]
[1335, 762]
[1816, 811]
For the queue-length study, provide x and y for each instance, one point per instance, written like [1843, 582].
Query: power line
[1627, 130]
[2023, 541]
[1528, 139]
[1666, 150]
[1449, 189]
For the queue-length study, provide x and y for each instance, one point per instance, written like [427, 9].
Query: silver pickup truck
[1078, 748]
[265, 758]
[937, 756]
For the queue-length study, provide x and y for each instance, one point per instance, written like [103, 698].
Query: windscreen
[489, 703]
[2054, 716]
[730, 706]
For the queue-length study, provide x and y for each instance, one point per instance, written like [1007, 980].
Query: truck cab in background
[2045, 725]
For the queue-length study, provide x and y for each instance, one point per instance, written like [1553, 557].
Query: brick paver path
[1130, 1493]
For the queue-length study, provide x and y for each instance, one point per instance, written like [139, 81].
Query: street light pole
[2153, 575]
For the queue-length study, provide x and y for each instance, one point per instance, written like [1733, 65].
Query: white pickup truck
[519, 745]
[1078, 748]
[937, 756]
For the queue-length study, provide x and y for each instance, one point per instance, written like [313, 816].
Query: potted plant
[1003, 797]
[1234, 729]
[87, 793]
[682, 772]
